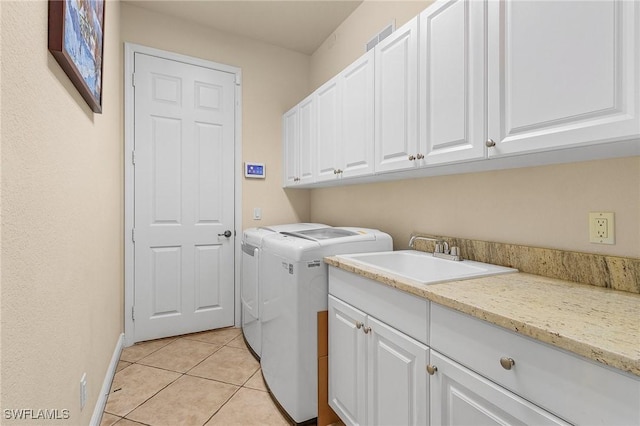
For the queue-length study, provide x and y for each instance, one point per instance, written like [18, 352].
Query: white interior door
[184, 198]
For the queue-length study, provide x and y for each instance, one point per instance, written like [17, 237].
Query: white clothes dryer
[250, 292]
[295, 289]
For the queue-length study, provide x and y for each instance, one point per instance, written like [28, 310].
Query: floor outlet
[601, 228]
[83, 391]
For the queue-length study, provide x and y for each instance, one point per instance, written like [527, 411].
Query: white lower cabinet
[490, 375]
[377, 374]
[461, 397]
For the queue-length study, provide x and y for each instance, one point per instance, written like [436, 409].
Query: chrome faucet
[441, 248]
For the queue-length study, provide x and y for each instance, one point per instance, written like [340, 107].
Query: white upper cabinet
[356, 147]
[299, 139]
[452, 81]
[396, 99]
[562, 73]
[344, 108]
[328, 130]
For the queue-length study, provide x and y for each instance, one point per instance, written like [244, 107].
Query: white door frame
[130, 50]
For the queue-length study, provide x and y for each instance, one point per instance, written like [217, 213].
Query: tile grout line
[186, 373]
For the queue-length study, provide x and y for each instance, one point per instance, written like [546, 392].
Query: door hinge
[133, 234]
[133, 313]
[133, 157]
[133, 79]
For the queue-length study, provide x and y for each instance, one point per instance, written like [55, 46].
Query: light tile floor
[207, 378]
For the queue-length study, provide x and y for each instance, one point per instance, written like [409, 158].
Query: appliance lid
[329, 236]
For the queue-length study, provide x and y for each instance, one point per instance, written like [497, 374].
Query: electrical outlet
[257, 213]
[601, 228]
[83, 391]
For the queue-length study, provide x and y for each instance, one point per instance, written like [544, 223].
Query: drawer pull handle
[507, 363]
[359, 325]
[366, 330]
[431, 369]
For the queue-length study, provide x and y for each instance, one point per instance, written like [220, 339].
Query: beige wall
[273, 80]
[62, 220]
[537, 206]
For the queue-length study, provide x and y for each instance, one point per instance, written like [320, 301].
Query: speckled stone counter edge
[618, 273]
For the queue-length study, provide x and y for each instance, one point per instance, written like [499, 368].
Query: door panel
[562, 73]
[347, 362]
[452, 81]
[397, 377]
[184, 198]
[357, 142]
[396, 103]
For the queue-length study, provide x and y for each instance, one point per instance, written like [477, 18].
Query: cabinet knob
[359, 325]
[431, 369]
[411, 158]
[490, 143]
[366, 330]
[507, 363]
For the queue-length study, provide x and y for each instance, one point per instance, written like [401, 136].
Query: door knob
[490, 143]
[226, 233]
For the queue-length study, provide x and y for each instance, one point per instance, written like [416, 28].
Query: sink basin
[423, 267]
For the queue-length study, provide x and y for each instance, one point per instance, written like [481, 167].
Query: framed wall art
[76, 34]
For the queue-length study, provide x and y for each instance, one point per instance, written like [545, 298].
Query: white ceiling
[300, 25]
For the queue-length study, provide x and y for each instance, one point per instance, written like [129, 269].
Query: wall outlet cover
[601, 228]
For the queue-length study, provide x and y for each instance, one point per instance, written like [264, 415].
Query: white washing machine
[252, 239]
[294, 286]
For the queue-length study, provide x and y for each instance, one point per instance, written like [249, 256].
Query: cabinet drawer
[400, 310]
[574, 388]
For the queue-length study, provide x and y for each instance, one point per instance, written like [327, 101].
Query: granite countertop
[598, 323]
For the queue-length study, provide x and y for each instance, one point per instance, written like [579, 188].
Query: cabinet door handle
[490, 143]
[507, 363]
[366, 330]
[431, 369]
[359, 325]
[419, 156]
[411, 158]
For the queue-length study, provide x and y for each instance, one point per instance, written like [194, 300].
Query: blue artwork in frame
[76, 33]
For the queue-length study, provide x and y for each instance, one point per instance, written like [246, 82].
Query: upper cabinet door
[396, 69]
[328, 130]
[357, 146]
[290, 148]
[307, 141]
[452, 81]
[562, 73]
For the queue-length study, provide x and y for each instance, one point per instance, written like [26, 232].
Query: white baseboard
[106, 384]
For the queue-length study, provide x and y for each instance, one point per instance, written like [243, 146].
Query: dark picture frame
[76, 39]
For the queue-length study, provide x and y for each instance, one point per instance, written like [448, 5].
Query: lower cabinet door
[461, 397]
[397, 378]
[347, 362]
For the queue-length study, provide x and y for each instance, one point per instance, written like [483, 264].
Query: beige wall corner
[347, 43]
[62, 220]
[273, 81]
